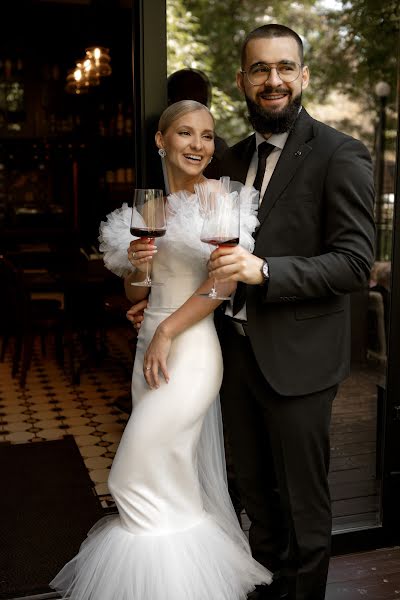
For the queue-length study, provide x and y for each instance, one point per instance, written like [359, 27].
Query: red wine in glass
[221, 241]
[148, 221]
[221, 227]
[147, 233]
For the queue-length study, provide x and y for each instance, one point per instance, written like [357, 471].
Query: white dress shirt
[279, 141]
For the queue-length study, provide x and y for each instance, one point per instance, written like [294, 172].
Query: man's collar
[276, 139]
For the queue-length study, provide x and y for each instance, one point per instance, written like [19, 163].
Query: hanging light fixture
[75, 81]
[88, 72]
[100, 59]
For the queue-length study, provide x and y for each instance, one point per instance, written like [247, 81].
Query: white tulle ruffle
[200, 563]
[248, 202]
[248, 216]
[184, 223]
[114, 238]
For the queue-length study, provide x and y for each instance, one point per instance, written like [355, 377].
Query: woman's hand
[155, 358]
[140, 252]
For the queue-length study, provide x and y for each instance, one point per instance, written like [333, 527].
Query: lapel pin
[298, 153]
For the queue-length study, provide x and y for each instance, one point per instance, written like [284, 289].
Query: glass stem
[147, 278]
[213, 291]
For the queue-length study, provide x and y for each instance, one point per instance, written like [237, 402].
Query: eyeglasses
[259, 73]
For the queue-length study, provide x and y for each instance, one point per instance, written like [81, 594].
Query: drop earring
[163, 154]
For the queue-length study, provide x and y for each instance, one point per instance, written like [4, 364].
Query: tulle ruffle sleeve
[249, 198]
[185, 216]
[115, 238]
[248, 202]
[184, 223]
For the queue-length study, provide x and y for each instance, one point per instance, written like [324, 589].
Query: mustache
[271, 90]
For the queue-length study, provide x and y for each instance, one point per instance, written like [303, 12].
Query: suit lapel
[294, 153]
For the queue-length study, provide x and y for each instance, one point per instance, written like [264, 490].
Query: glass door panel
[362, 430]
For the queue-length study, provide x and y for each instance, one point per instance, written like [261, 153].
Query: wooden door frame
[149, 86]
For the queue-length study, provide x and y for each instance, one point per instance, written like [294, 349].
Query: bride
[176, 536]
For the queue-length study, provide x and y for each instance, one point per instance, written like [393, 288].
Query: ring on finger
[147, 368]
[133, 254]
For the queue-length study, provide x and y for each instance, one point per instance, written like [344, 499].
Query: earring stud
[162, 152]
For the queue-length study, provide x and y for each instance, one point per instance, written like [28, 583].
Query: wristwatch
[264, 272]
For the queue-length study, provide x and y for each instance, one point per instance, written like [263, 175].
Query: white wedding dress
[176, 536]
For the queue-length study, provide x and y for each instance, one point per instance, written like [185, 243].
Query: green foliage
[349, 49]
[187, 46]
[365, 46]
[192, 43]
[364, 50]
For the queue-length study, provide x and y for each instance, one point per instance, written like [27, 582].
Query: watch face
[265, 270]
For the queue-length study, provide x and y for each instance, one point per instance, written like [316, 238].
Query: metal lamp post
[382, 91]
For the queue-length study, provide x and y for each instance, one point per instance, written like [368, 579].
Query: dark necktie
[264, 150]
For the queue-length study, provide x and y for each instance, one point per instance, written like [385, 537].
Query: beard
[265, 120]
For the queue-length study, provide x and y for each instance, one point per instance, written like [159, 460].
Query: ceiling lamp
[88, 72]
[75, 81]
[100, 59]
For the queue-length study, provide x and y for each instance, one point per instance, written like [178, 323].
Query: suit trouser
[280, 451]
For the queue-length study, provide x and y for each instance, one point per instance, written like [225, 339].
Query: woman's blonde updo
[177, 110]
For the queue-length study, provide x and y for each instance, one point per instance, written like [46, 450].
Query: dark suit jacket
[317, 233]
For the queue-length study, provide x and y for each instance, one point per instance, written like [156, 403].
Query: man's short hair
[272, 30]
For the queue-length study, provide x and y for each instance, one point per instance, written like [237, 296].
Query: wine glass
[221, 226]
[148, 221]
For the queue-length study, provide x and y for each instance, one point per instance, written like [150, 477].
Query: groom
[286, 338]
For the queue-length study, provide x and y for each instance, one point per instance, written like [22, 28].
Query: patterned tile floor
[50, 406]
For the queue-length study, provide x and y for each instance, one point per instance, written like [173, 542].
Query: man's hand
[234, 263]
[135, 314]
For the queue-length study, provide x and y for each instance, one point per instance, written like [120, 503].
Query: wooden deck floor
[354, 478]
[370, 576]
